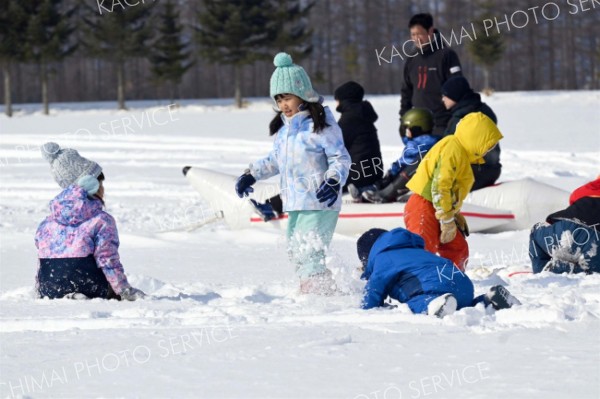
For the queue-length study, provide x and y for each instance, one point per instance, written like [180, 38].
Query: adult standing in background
[426, 72]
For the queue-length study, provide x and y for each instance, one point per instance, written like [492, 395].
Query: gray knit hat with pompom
[67, 166]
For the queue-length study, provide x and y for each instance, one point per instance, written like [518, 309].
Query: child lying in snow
[396, 264]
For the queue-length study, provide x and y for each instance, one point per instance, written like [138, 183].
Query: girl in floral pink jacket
[78, 243]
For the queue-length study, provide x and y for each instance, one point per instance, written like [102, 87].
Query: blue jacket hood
[394, 239]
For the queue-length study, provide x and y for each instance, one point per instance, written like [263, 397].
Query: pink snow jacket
[78, 227]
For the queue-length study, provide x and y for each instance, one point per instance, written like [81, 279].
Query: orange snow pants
[419, 218]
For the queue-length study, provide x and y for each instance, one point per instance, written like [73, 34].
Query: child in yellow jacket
[442, 182]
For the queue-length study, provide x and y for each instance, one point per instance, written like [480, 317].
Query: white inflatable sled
[507, 206]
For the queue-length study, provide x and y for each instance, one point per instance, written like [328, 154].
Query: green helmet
[419, 120]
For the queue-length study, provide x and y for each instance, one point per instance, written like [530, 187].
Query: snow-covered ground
[224, 319]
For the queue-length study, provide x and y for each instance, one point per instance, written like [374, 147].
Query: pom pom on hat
[67, 166]
[50, 151]
[283, 60]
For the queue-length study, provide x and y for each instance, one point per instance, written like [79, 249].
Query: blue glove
[244, 183]
[89, 183]
[329, 191]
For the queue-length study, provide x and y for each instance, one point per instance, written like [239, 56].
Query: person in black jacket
[360, 138]
[460, 99]
[427, 71]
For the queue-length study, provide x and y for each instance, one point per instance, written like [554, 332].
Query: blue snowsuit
[400, 267]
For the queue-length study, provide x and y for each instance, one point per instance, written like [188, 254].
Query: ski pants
[419, 217]
[309, 234]
[58, 277]
[564, 246]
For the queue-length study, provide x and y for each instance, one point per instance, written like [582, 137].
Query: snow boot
[501, 298]
[441, 306]
[373, 197]
[319, 284]
[265, 211]
[354, 193]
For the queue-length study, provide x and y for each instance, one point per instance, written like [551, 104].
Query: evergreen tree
[169, 59]
[49, 33]
[13, 29]
[118, 35]
[294, 37]
[489, 47]
[237, 32]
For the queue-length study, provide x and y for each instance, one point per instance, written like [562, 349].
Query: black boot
[501, 298]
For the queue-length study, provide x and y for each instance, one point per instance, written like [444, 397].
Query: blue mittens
[244, 183]
[329, 191]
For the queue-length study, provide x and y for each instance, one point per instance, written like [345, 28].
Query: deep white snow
[224, 319]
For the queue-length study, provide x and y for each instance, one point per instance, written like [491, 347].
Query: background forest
[75, 50]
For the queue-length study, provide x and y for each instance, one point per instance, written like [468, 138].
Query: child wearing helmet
[415, 130]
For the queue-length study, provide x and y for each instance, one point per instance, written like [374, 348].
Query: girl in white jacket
[313, 164]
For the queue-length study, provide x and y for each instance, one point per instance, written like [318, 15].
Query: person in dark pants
[360, 138]
[461, 100]
[426, 70]
[569, 240]
[78, 243]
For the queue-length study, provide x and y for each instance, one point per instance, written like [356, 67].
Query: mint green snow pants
[309, 234]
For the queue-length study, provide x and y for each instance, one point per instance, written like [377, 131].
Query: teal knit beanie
[291, 78]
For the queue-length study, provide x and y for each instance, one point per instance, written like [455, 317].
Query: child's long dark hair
[316, 111]
[100, 179]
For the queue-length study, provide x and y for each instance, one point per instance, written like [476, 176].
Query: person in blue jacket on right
[396, 264]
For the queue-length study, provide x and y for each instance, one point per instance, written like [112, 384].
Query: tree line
[78, 50]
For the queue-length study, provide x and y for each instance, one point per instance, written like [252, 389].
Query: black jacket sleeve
[406, 91]
[452, 65]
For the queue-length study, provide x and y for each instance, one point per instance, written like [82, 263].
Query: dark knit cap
[349, 91]
[366, 242]
[456, 88]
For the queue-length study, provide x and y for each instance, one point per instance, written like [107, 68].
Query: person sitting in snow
[569, 240]
[442, 182]
[396, 264]
[461, 100]
[78, 242]
[416, 127]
